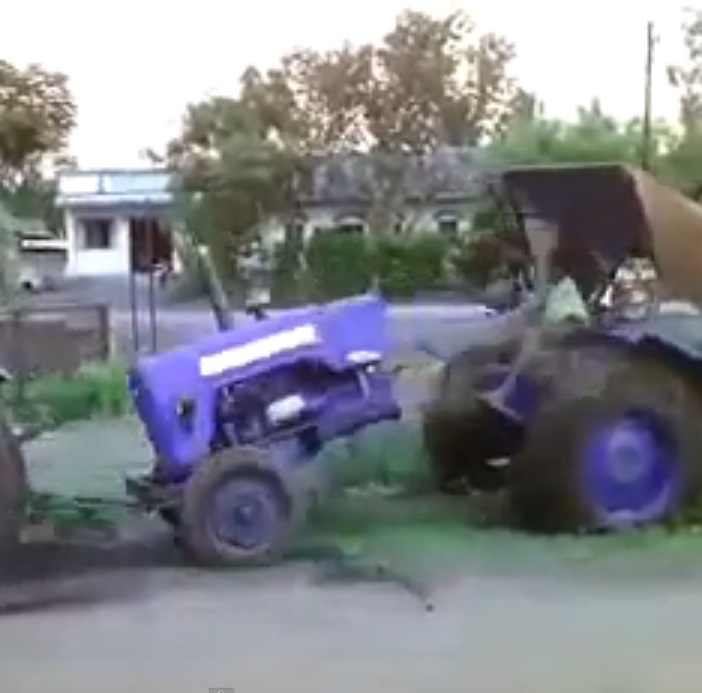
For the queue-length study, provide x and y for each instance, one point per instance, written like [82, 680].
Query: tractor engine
[289, 383]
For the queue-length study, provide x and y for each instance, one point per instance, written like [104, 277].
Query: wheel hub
[246, 513]
[628, 461]
[631, 471]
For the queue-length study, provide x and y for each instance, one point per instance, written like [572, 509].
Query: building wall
[85, 261]
[117, 195]
[418, 219]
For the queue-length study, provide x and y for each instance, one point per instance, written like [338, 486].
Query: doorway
[151, 244]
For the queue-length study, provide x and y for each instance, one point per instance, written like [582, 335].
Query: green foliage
[37, 116]
[288, 270]
[593, 137]
[98, 389]
[338, 264]
[390, 457]
[404, 266]
[476, 259]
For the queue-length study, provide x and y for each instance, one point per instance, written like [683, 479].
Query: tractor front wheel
[627, 455]
[237, 511]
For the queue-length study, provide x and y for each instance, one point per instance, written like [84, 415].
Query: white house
[116, 221]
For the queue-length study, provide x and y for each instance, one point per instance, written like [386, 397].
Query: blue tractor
[589, 420]
[238, 420]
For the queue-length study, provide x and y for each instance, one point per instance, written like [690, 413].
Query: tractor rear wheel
[13, 490]
[237, 511]
[460, 434]
[619, 450]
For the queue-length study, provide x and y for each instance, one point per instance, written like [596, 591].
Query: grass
[95, 390]
[380, 502]
[440, 534]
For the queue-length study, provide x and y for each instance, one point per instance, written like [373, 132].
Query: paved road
[275, 631]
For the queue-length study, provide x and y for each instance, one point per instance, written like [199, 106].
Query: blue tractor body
[315, 368]
[237, 418]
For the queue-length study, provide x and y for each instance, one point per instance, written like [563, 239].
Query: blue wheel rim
[247, 513]
[631, 471]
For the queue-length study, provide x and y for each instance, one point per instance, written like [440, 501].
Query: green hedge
[98, 389]
[405, 266]
[334, 265]
[338, 265]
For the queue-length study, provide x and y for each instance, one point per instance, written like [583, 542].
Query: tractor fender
[678, 334]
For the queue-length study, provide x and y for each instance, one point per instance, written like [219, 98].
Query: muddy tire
[618, 444]
[238, 511]
[460, 435]
[13, 490]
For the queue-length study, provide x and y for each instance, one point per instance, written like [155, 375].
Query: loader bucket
[675, 228]
[603, 212]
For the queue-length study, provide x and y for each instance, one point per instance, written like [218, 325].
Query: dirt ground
[609, 616]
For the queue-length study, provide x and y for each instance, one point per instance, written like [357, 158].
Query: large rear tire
[460, 434]
[618, 449]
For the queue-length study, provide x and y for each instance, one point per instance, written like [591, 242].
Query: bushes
[94, 390]
[337, 265]
[405, 266]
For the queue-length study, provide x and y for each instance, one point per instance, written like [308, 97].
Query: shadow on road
[56, 574]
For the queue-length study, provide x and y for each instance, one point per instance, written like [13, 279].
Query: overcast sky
[134, 64]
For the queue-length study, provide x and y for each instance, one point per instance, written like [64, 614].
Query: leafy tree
[682, 161]
[231, 174]
[593, 137]
[37, 115]
[429, 82]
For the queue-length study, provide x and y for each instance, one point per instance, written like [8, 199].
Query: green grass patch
[387, 456]
[441, 534]
[95, 390]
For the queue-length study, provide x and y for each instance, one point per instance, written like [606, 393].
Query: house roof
[446, 172]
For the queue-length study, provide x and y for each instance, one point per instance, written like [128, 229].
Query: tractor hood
[604, 212]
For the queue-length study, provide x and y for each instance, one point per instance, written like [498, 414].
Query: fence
[53, 339]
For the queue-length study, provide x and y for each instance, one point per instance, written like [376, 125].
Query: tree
[593, 137]
[231, 174]
[37, 115]
[682, 162]
[429, 82]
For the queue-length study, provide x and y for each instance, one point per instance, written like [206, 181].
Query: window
[97, 234]
[448, 227]
[351, 228]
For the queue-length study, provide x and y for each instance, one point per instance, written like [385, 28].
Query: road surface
[499, 626]
[276, 631]
[512, 614]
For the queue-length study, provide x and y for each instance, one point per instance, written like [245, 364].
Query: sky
[135, 64]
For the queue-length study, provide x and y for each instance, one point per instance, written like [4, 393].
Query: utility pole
[648, 97]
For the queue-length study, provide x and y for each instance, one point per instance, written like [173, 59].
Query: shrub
[288, 282]
[407, 265]
[339, 265]
[97, 389]
[390, 456]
